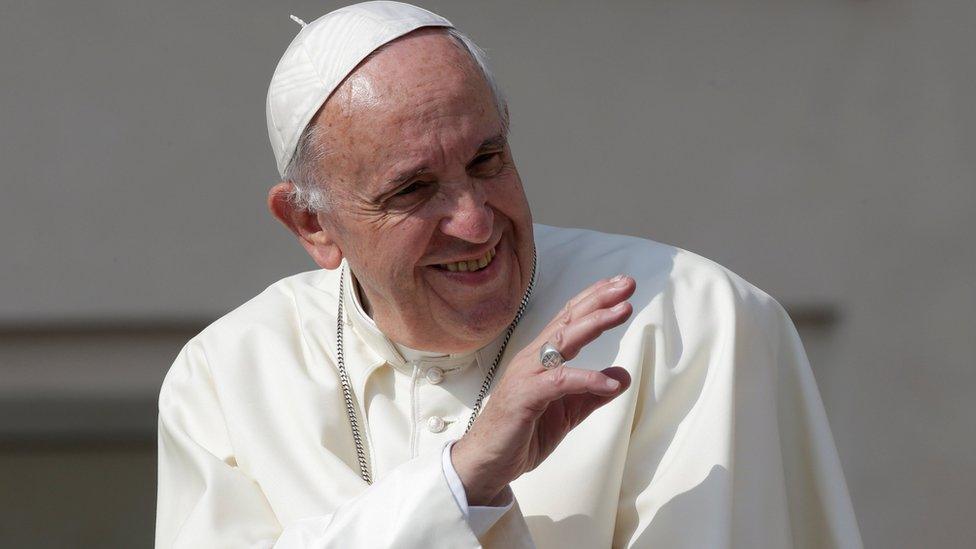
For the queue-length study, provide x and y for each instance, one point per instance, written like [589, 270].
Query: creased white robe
[721, 441]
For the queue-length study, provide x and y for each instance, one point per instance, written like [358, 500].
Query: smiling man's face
[425, 201]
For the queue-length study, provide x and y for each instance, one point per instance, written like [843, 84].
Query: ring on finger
[550, 357]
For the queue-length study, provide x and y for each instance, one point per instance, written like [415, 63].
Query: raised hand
[532, 409]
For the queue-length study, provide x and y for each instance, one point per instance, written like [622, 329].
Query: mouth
[470, 265]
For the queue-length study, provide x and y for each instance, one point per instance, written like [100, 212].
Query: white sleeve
[480, 518]
[206, 500]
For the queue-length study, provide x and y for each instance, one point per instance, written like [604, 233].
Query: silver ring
[550, 357]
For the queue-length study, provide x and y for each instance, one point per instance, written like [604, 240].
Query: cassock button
[434, 375]
[436, 424]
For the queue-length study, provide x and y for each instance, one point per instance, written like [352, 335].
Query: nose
[468, 216]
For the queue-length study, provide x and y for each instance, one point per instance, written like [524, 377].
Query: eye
[483, 159]
[411, 188]
[486, 165]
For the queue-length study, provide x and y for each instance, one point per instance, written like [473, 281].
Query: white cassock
[720, 442]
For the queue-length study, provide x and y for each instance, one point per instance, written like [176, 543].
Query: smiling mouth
[471, 264]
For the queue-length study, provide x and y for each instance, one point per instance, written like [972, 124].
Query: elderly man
[413, 392]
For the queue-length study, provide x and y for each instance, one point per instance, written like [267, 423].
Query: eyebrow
[404, 177]
[492, 143]
[495, 142]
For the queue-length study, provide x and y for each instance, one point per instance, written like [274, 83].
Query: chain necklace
[357, 438]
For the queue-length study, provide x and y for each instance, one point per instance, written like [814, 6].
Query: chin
[482, 324]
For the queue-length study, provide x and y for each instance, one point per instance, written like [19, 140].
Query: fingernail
[619, 307]
[617, 278]
[612, 383]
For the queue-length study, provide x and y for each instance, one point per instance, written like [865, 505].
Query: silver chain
[475, 410]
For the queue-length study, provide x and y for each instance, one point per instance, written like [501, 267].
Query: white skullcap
[320, 57]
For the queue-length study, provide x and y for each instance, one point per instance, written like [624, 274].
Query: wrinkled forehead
[420, 92]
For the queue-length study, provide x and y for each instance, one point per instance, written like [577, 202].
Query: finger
[559, 382]
[605, 293]
[582, 405]
[592, 288]
[599, 296]
[618, 373]
[570, 339]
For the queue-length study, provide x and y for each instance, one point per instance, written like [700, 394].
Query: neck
[361, 295]
[408, 351]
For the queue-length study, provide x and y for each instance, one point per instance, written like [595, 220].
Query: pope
[457, 376]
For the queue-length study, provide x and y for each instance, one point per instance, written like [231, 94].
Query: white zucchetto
[320, 57]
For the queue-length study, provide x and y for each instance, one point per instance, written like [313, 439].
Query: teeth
[471, 264]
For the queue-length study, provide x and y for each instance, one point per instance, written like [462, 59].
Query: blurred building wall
[823, 150]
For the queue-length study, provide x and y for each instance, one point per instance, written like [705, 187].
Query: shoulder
[583, 253]
[288, 299]
[272, 319]
[666, 275]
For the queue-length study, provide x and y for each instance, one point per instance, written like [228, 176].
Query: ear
[305, 225]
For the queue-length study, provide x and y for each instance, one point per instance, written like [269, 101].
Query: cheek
[397, 249]
[510, 200]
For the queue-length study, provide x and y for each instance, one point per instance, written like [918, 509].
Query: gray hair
[308, 192]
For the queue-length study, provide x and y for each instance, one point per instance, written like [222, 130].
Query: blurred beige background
[824, 150]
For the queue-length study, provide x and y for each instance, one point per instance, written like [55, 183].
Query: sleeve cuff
[480, 518]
